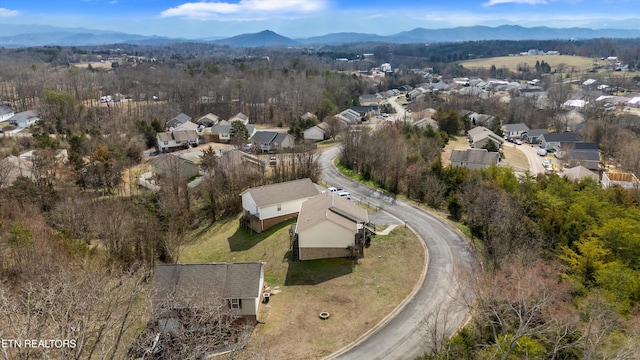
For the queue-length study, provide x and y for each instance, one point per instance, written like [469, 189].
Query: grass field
[357, 296]
[512, 62]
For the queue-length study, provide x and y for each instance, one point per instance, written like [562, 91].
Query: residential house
[514, 131]
[532, 136]
[12, 167]
[24, 119]
[222, 132]
[578, 173]
[477, 119]
[5, 113]
[208, 120]
[187, 126]
[330, 226]
[234, 289]
[586, 154]
[174, 166]
[366, 112]
[474, 159]
[265, 206]
[271, 141]
[349, 116]
[370, 99]
[479, 136]
[317, 133]
[175, 140]
[177, 121]
[240, 117]
[623, 180]
[552, 141]
[427, 121]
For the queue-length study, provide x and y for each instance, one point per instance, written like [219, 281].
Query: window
[234, 303]
[279, 207]
[177, 141]
[166, 143]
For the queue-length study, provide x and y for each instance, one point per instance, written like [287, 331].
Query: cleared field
[512, 62]
[357, 296]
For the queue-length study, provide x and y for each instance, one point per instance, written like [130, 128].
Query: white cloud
[529, 2]
[244, 8]
[8, 12]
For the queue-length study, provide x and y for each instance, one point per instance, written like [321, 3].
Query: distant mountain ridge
[38, 35]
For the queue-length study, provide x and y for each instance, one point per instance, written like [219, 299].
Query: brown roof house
[474, 159]
[330, 226]
[265, 206]
[233, 289]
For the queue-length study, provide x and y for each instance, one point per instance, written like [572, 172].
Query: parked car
[344, 194]
[518, 142]
[332, 189]
[542, 152]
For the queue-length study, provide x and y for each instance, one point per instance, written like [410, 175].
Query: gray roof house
[480, 135]
[234, 288]
[223, 132]
[586, 154]
[532, 136]
[474, 159]
[514, 130]
[348, 116]
[208, 120]
[24, 119]
[271, 141]
[553, 140]
[176, 140]
[178, 120]
[240, 117]
[330, 226]
[265, 206]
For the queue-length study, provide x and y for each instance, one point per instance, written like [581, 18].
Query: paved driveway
[404, 334]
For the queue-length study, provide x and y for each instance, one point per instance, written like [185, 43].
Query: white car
[344, 194]
[546, 163]
[332, 189]
[542, 152]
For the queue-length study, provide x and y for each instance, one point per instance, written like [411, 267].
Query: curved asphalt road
[405, 334]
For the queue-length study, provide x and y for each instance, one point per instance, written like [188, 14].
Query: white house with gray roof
[265, 206]
[514, 130]
[24, 119]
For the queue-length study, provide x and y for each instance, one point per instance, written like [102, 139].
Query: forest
[78, 242]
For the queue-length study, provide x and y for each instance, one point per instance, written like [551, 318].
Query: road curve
[405, 335]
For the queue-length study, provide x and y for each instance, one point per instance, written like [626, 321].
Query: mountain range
[37, 35]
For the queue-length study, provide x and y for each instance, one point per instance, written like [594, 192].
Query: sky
[197, 19]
